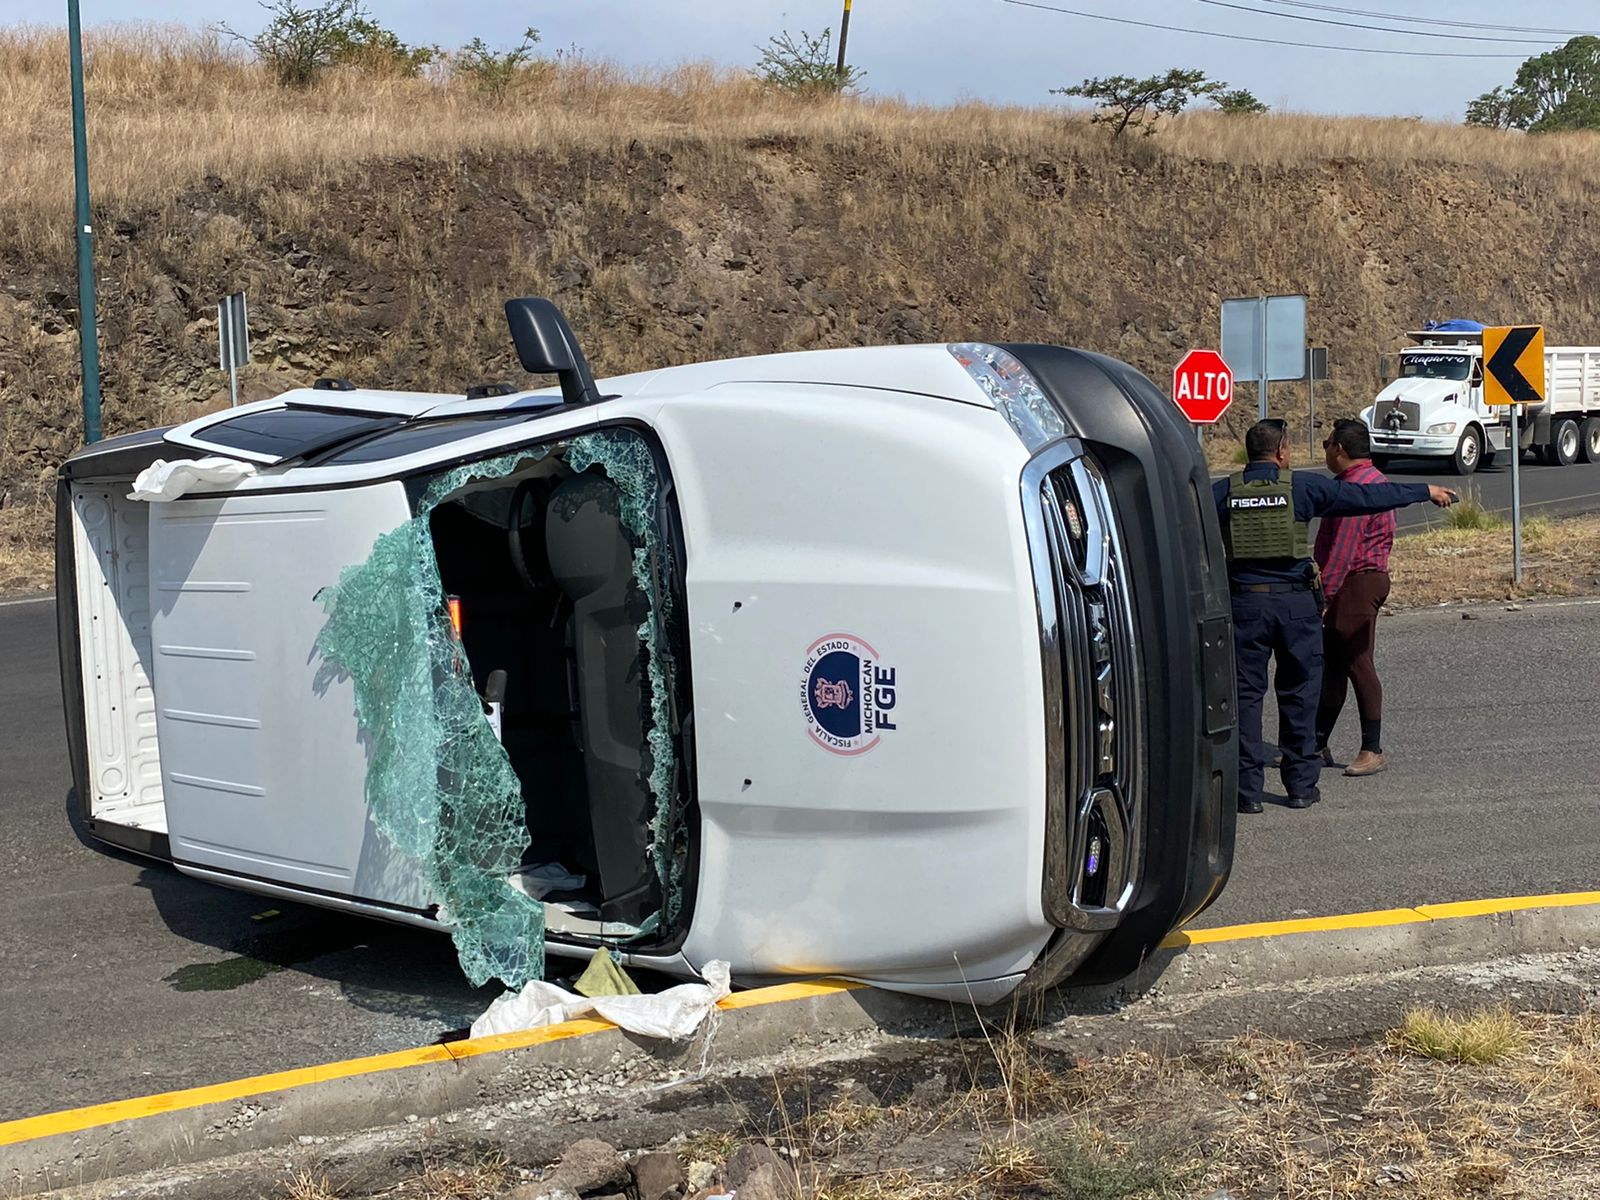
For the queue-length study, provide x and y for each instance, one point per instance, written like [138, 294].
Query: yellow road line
[1421, 914]
[1484, 908]
[1270, 929]
[75, 1120]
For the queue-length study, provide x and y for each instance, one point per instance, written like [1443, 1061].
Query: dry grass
[1496, 1106]
[1479, 1038]
[713, 1145]
[169, 107]
[303, 1185]
[1491, 1105]
[1561, 557]
[26, 556]
[681, 214]
[482, 1177]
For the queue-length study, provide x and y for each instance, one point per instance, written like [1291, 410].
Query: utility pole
[88, 329]
[844, 36]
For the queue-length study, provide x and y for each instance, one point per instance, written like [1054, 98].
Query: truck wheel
[1563, 449]
[1468, 451]
[1589, 439]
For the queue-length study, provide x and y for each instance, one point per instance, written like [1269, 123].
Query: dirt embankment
[744, 225]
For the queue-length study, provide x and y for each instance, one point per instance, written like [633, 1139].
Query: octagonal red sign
[1202, 386]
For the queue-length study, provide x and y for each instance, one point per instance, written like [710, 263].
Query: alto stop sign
[1202, 386]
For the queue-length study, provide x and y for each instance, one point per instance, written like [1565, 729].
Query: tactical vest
[1261, 520]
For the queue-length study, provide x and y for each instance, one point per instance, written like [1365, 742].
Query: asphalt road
[1490, 728]
[1545, 490]
[120, 977]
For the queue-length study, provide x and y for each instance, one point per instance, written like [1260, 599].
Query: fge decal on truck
[847, 694]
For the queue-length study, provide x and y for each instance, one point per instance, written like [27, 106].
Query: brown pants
[1349, 633]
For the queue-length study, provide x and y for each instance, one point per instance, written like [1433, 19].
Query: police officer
[1266, 512]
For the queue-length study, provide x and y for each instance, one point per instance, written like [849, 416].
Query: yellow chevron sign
[1513, 364]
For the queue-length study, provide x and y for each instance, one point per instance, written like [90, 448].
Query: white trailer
[1436, 409]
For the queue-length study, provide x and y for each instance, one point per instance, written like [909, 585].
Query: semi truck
[1436, 409]
[910, 664]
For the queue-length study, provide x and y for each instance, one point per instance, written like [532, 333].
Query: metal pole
[1516, 496]
[1311, 413]
[844, 34]
[1261, 358]
[88, 330]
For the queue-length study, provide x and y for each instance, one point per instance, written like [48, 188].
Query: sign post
[1513, 375]
[233, 340]
[1264, 339]
[1202, 387]
[88, 328]
[1316, 368]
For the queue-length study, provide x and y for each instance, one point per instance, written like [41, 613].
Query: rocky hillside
[726, 222]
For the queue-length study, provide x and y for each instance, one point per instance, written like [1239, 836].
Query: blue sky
[944, 50]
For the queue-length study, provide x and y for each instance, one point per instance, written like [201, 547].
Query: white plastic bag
[163, 480]
[673, 1014]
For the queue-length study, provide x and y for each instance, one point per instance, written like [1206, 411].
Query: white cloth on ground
[673, 1014]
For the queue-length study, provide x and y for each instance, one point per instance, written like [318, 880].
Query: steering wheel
[523, 507]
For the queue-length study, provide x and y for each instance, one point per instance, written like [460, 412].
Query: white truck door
[262, 760]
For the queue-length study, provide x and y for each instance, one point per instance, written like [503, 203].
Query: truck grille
[1395, 415]
[1092, 678]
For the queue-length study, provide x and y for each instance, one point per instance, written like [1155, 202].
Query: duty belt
[1271, 588]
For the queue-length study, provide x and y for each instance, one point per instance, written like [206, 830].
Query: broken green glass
[439, 784]
[627, 459]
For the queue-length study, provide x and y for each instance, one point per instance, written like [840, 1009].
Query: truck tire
[1469, 451]
[1564, 441]
[1589, 439]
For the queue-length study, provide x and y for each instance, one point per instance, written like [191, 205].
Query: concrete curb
[558, 1067]
[1372, 943]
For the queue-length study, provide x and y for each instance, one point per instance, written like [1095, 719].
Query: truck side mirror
[546, 345]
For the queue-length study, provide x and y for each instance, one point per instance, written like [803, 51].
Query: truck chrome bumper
[1414, 443]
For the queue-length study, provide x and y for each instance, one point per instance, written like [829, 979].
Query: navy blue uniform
[1281, 617]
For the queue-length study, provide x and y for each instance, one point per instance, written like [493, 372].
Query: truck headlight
[1015, 393]
[1442, 427]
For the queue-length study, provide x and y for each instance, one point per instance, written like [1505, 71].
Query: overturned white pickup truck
[907, 664]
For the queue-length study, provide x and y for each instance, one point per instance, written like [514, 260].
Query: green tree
[1127, 103]
[1557, 90]
[365, 44]
[300, 40]
[805, 66]
[1496, 109]
[496, 72]
[1238, 102]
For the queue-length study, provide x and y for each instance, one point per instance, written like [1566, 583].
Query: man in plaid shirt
[1353, 556]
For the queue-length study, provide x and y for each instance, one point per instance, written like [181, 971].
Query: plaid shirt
[1348, 544]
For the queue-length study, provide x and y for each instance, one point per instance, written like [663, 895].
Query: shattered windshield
[1434, 366]
[514, 650]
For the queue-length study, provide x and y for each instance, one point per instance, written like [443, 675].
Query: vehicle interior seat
[590, 554]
